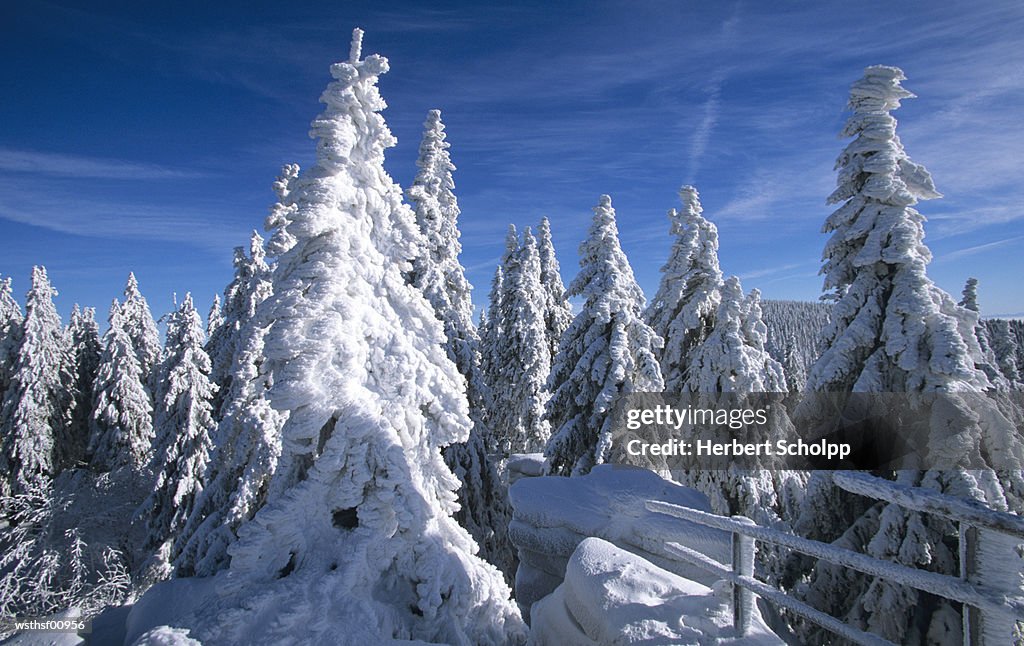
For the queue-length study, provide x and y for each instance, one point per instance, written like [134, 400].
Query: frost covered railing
[987, 540]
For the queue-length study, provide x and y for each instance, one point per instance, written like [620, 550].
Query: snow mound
[611, 596]
[553, 514]
[526, 465]
[167, 636]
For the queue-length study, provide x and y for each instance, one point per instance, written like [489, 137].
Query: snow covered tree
[557, 310]
[249, 287]
[36, 414]
[184, 423]
[608, 351]
[282, 211]
[141, 329]
[215, 317]
[683, 310]
[247, 441]
[893, 330]
[519, 393]
[492, 368]
[732, 359]
[86, 349]
[1004, 345]
[358, 517]
[437, 272]
[10, 337]
[987, 361]
[121, 425]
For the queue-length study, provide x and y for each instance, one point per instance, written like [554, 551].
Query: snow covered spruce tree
[437, 272]
[732, 359]
[215, 317]
[1004, 345]
[184, 423]
[36, 416]
[10, 337]
[356, 542]
[988, 363]
[141, 329]
[893, 330]
[84, 336]
[121, 425]
[518, 394]
[249, 287]
[606, 352]
[247, 441]
[683, 310]
[491, 332]
[557, 311]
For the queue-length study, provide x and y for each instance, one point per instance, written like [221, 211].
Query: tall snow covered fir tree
[893, 330]
[141, 329]
[84, 336]
[518, 395]
[557, 310]
[247, 442]
[607, 351]
[356, 541]
[121, 425]
[10, 338]
[683, 310]
[215, 316]
[38, 404]
[249, 287]
[184, 423]
[437, 272]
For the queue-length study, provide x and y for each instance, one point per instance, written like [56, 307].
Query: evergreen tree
[437, 272]
[607, 352]
[141, 329]
[893, 330]
[121, 424]
[361, 499]
[249, 287]
[557, 311]
[215, 317]
[10, 338]
[37, 406]
[490, 361]
[518, 395]
[732, 359]
[86, 350]
[987, 361]
[184, 423]
[1004, 345]
[247, 441]
[683, 310]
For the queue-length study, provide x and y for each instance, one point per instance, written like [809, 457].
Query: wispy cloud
[769, 271]
[77, 166]
[702, 133]
[976, 249]
[208, 226]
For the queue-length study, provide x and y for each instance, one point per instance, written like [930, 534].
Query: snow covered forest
[334, 453]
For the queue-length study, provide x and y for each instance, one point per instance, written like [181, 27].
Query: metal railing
[987, 538]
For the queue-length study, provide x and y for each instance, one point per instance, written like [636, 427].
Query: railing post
[969, 573]
[988, 557]
[743, 565]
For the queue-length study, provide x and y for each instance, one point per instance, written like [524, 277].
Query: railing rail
[989, 612]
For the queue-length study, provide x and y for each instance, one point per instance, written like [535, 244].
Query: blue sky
[146, 136]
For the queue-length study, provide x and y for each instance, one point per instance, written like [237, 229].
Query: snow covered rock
[611, 596]
[552, 515]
